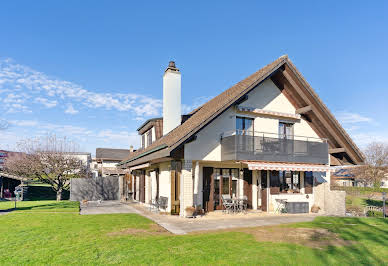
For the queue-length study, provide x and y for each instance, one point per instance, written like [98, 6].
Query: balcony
[259, 146]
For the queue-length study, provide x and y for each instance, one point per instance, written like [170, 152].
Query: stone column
[147, 187]
[196, 184]
[187, 195]
[254, 189]
[241, 184]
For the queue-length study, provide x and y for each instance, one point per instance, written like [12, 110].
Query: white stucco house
[269, 138]
[106, 160]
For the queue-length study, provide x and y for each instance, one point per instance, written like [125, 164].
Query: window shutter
[308, 183]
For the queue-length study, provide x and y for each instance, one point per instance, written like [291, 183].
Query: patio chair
[243, 204]
[281, 205]
[227, 203]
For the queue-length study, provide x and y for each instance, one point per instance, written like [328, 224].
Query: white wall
[171, 100]
[207, 145]
[165, 183]
[266, 96]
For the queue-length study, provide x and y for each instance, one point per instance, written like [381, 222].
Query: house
[343, 176]
[84, 157]
[106, 160]
[8, 182]
[269, 138]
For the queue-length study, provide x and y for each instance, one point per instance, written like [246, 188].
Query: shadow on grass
[45, 193]
[357, 229]
[63, 205]
[372, 202]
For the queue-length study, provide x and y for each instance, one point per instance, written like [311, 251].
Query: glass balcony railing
[261, 146]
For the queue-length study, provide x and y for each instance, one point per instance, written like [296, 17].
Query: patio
[218, 220]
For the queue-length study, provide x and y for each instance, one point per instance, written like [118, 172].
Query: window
[308, 182]
[2, 154]
[286, 130]
[225, 182]
[1, 160]
[143, 141]
[289, 182]
[284, 182]
[244, 126]
[149, 137]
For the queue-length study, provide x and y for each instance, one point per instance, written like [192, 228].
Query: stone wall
[331, 202]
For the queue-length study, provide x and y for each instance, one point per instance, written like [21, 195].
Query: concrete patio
[212, 221]
[218, 220]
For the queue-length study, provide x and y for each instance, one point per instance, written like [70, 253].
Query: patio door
[248, 186]
[263, 188]
[207, 200]
[142, 186]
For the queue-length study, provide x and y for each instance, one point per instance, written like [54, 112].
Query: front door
[248, 186]
[263, 190]
[207, 201]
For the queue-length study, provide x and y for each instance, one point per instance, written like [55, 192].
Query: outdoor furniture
[281, 205]
[243, 204]
[160, 203]
[227, 203]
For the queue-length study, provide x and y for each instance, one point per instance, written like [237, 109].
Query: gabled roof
[203, 115]
[112, 154]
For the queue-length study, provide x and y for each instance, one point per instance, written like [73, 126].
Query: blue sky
[92, 70]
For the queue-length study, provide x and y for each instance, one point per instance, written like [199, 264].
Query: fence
[96, 188]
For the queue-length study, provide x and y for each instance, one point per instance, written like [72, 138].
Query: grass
[358, 202]
[40, 206]
[68, 238]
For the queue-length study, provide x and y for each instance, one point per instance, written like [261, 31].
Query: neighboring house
[84, 157]
[106, 161]
[268, 138]
[3, 156]
[343, 177]
[7, 182]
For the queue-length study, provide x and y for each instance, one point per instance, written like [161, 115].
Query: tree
[49, 160]
[376, 165]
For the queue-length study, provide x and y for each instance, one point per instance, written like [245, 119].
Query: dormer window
[149, 137]
[143, 144]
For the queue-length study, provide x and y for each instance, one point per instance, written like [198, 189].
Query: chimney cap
[171, 66]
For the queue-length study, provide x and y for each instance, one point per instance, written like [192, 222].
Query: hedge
[359, 189]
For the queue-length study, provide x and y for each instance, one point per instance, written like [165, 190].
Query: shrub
[359, 189]
[374, 214]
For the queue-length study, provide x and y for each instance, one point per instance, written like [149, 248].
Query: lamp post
[384, 194]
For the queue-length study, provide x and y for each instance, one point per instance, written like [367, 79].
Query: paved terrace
[213, 221]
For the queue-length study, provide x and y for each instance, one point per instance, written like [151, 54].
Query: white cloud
[70, 110]
[365, 138]
[24, 123]
[29, 81]
[46, 102]
[195, 104]
[352, 118]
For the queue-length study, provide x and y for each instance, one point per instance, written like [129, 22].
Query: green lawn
[36, 237]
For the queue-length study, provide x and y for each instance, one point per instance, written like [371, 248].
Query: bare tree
[376, 165]
[48, 159]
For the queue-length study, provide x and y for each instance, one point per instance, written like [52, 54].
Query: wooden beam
[326, 123]
[304, 110]
[337, 150]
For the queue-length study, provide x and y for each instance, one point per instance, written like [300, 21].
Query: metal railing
[263, 146]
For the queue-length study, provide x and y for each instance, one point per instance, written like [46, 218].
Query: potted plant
[190, 211]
